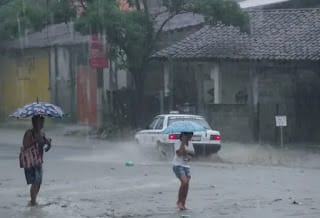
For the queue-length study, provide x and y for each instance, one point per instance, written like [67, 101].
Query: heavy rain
[159, 108]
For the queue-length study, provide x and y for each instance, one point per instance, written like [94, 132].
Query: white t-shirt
[182, 160]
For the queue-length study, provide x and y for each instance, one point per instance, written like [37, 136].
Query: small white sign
[281, 120]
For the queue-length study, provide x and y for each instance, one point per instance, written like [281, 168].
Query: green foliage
[127, 30]
[19, 17]
[175, 6]
[60, 11]
[227, 12]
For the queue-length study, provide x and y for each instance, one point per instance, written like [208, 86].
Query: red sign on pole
[98, 57]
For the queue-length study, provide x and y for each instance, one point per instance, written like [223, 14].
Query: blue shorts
[33, 175]
[182, 171]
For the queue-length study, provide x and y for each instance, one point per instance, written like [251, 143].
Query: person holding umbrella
[35, 137]
[35, 142]
[184, 150]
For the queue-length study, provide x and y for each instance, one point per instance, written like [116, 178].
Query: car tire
[162, 153]
[137, 141]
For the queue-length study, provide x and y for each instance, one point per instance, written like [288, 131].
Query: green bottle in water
[129, 164]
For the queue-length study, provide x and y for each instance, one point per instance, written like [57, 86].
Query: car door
[145, 136]
[155, 135]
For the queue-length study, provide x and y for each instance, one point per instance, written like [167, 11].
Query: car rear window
[153, 123]
[199, 121]
[160, 123]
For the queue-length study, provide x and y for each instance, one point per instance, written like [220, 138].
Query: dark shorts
[33, 175]
[181, 171]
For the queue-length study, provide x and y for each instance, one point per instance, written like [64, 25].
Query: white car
[204, 142]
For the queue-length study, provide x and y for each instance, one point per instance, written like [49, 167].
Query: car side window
[160, 123]
[153, 123]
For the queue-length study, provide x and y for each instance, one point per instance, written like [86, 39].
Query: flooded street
[105, 79]
[88, 178]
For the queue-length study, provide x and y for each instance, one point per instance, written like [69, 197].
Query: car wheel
[161, 151]
[137, 141]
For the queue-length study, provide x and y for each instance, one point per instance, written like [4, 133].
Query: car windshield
[199, 121]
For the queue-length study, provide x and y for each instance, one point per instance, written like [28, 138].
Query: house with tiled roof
[240, 81]
[288, 34]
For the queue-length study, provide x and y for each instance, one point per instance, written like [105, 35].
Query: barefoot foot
[180, 206]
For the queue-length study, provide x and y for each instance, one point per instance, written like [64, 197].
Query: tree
[20, 17]
[132, 31]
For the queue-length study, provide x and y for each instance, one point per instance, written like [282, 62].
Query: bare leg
[34, 190]
[182, 192]
[38, 188]
[180, 197]
[185, 194]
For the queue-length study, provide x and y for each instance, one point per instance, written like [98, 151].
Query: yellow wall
[23, 79]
